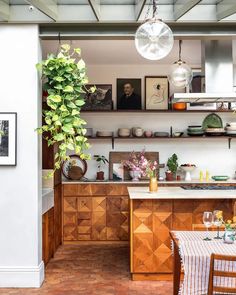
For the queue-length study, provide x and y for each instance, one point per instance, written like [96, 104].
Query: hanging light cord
[154, 3]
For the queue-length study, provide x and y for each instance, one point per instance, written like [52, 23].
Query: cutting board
[118, 157]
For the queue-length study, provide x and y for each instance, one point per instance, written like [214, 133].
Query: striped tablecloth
[195, 255]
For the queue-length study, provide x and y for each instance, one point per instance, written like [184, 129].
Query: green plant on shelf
[101, 161]
[172, 163]
[64, 81]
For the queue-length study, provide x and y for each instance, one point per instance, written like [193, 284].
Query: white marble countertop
[47, 199]
[179, 182]
[179, 193]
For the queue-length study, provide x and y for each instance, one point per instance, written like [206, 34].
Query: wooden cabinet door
[84, 226]
[99, 230]
[57, 216]
[48, 235]
[70, 232]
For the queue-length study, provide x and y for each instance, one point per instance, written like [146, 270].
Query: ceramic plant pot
[100, 175]
[135, 174]
[169, 176]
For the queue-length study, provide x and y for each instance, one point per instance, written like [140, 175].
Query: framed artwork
[128, 94]
[118, 171]
[198, 82]
[202, 106]
[8, 130]
[156, 93]
[99, 100]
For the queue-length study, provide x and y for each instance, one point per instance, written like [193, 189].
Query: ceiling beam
[4, 10]
[138, 8]
[224, 9]
[95, 5]
[181, 9]
[48, 7]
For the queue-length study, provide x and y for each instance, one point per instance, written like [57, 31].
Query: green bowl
[220, 177]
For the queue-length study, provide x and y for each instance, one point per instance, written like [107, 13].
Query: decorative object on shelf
[230, 227]
[172, 165]
[220, 177]
[197, 84]
[215, 131]
[148, 133]
[118, 172]
[121, 157]
[129, 94]
[188, 168]
[136, 164]
[89, 132]
[178, 134]
[222, 106]
[124, 132]
[181, 74]
[195, 130]
[101, 161]
[154, 39]
[103, 133]
[74, 167]
[179, 106]
[231, 129]
[156, 93]
[8, 140]
[137, 132]
[65, 79]
[211, 106]
[100, 99]
[212, 121]
[161, 134]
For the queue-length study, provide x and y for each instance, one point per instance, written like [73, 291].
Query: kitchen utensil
[212, 121]
[188, 169]
[220, 177]
[104, 133]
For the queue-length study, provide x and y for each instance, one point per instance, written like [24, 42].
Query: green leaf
[65, 47]
[71, 105]
[54, 98]
[55, 118]
[70, 146]
[63, 108]
[79, 102]
[77, 50]
[59, 137]
[81, 64]
[68, 88]
[48, 121]
[59, 79]
[74, 112]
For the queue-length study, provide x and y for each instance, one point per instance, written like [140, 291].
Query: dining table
[192, 258]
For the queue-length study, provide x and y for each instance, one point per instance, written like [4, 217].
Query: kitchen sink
[209, 187]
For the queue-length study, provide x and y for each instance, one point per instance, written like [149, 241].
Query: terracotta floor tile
[92, 270]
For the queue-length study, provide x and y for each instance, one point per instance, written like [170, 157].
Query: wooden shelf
[155, 111]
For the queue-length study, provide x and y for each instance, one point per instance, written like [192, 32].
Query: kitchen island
[153, 215]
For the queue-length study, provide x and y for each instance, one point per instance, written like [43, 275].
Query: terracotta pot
[169, 176]
[100, 175]
[153, 185]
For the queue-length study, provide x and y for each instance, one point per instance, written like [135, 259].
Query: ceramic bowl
[138, 132]
[124, 132]
[148, 133]
[104, 133]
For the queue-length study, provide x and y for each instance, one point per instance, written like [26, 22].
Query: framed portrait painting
[156, 93]
[129, 94]
[100, 99]
[8, 125]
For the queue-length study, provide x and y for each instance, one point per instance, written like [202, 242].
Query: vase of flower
[135, 174]
[153, 185]
[229, 236]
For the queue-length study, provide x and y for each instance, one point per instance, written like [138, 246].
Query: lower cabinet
[96, 218]
[48, 235]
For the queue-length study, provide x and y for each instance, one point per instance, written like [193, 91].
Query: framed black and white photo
[100, 99]
[129, 94]
[8, 129]
[156, 93]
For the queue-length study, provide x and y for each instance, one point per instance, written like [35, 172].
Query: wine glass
[217, 222]
[207, 220]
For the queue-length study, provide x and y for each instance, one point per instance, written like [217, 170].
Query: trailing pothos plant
[64, 77]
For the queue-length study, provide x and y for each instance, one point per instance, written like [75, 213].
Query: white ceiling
[124, 51]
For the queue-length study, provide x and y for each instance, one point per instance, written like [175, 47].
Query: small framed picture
[118, 172]
[129, 94]
[8, 126]
[99, 100]
[201, 106]
[156, 93]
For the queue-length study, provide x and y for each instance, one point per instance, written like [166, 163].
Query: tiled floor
[92, 270]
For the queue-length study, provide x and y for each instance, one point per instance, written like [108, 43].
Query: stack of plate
[104, 133]
[231, 129]
[124, 132]
[195, 130]
[215, 131]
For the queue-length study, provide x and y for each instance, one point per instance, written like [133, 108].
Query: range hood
[217, 67]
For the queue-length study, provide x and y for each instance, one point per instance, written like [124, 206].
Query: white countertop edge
[178, 193]
[47, 199]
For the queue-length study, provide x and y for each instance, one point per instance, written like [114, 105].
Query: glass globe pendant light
[154, 39]
[181, 74]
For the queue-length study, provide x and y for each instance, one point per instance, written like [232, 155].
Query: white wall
[20, 187]
[212, 154]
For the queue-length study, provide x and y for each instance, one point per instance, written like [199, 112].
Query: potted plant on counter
[101, 161]
[172, 165]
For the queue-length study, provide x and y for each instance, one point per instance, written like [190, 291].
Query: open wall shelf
[198, 138]
[155, 111]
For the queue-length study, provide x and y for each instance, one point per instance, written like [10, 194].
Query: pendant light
[181, 74]
[154, 39]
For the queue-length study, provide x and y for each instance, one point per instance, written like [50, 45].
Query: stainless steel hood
[217, 67]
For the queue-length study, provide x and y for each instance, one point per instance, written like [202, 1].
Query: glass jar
[153, 185]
